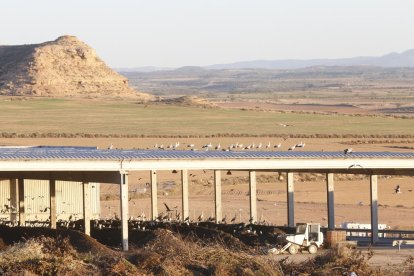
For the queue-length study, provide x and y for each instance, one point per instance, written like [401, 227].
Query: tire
[293, 249]
[312, 249]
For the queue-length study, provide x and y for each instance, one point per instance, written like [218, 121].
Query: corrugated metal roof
[89, 153]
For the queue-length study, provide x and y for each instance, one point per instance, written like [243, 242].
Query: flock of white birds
[235, 146]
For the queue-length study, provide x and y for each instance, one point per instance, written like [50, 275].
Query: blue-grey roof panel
[90, 153]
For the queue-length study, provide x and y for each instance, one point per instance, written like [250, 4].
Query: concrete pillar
[252, 193]
[330, 200]
[217, 196]
[22, 213]
[52, 191]
[86, 207]
[154, 202]
[374, 208]
[290, 200]
[14, 199]
[184, 182]
[124, 209]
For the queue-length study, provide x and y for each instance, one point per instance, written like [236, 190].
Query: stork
[348, 151]
[292, 147]
[300, 145]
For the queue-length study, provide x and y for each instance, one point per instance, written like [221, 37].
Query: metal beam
[252, 196]
[374, 208]
[290, 200]
[184, 183]
[99, 177]
[86, 188]
[52, 191]
[22, 213]
[124, 209]
[217, 196]
[154, 198]
[353, 164]
[330, 200]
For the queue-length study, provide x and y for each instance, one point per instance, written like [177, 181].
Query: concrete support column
[154, 202]
[22, 213]
[217, 196]
[86, 207]
[252, 193]
[290, 200]
[52, 191]
[14, 199]
[184, 183]
[374, 208]
[124, 210]
[330, 200]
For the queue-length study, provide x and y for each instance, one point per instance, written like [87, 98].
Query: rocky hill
[66, 67]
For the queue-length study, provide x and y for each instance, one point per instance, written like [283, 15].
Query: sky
[174, 33]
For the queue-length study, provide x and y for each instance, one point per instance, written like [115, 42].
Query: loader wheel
[293, 249]
[312, 249]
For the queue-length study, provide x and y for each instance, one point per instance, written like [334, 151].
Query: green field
[123, 118]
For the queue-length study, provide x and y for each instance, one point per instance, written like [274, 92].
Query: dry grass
[67, 117]
[48, 256]
[338, 261]
[170, 254]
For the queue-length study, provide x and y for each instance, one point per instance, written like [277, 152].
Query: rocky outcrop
[66, 67]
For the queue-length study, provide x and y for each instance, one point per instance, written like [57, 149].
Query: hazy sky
[132, 33]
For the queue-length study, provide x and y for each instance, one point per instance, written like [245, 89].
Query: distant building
[354, 225]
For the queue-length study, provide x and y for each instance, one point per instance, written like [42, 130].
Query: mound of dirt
[60, 68]
[171, 254]
[191, 101]
[81, 242]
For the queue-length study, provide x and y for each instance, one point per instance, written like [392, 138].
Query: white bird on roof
[300, 145]
[278, 145]
[348, 151]
[218, 147]
[111, 146]
[259, 146]
[268, 145]
[292, 147]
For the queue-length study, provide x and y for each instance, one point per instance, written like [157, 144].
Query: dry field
[66, 117]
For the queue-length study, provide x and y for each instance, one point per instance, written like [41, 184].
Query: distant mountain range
[405, 59]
